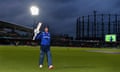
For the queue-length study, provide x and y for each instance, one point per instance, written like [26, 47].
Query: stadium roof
[14, 26]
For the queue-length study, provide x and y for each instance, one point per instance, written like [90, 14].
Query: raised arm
[38, 36]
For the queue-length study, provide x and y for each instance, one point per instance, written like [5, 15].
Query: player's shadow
[74, 67]
[67, 67]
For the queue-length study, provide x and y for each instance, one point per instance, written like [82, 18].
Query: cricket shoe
[51, 67]
[41, 66]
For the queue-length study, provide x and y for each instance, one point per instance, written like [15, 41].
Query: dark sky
[60, 15]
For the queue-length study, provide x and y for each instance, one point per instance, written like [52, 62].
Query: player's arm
[38, 36]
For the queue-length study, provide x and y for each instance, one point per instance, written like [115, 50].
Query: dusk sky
[60, 15]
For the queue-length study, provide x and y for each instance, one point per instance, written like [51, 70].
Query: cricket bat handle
[34, 36]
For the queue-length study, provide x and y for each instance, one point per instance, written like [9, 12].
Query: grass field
[25, 59]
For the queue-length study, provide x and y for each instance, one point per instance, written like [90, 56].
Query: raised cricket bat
[39, 26]
[37, 29]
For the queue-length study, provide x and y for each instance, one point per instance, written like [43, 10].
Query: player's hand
[36, 31]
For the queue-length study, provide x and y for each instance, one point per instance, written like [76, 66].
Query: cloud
[60, 15]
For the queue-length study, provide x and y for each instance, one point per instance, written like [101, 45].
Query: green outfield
[65, 59]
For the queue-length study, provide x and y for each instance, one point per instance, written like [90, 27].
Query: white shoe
[51, 67]
[41, 66]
